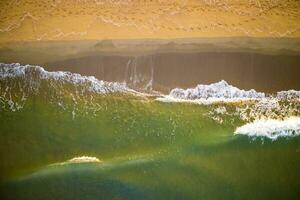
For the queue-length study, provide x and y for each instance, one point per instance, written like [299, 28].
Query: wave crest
[271, 128]
[36, 73]
[19, 83]
[220, 89]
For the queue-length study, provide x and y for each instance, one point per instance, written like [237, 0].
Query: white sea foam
[220, 89]
[212, 93]
[19, 82]
[80, 159]
[11, 70]
[92, 84]
[288, 94]
[202, 101]
[222, 92]
[271, 128]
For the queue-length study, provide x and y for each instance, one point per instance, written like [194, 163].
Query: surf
[75, 127]
[272, 129]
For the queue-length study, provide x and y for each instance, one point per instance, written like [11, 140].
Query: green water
[148, 149]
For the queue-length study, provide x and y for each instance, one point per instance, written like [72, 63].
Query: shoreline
[165, 64]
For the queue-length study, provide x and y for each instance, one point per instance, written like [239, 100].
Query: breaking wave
[29, 72]
[222, 92]
[79, 95]
[18, 83]
[271, 128]
[219, 90]
[248, 105]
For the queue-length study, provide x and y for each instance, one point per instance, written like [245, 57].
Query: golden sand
[34, 20]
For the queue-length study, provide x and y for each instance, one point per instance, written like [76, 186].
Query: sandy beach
[45, 20]
[165, 43]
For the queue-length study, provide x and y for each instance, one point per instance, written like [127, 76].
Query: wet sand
[164, 71]
[265, 64]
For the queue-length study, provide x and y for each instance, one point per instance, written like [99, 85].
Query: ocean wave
[19, 83]
[223, 92]
[213, 93]
[78, 95]
[271, 128]
[248, 105]
[15, 70]
[219, 90]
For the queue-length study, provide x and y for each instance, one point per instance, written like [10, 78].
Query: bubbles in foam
[288, 94]
[220, 90]
[271, 128]
[251, 105]
[20, 82]
[37, 73]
